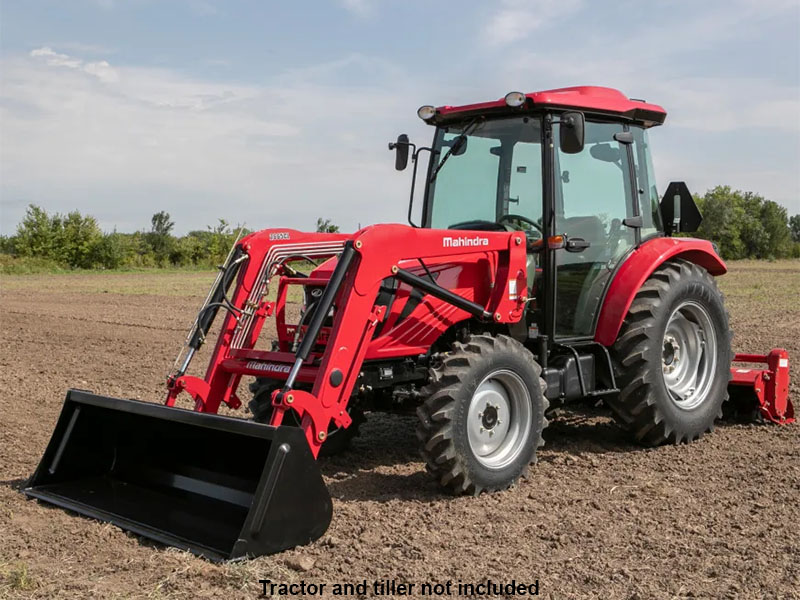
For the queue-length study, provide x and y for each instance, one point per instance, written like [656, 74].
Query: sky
[273, 113]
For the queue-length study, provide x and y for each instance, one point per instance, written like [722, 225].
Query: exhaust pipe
[219, 487]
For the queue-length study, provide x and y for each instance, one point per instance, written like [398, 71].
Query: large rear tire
[483, 416]
[338, 439]
[672, 357]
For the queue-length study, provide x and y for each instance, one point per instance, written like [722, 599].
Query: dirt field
[598, 517]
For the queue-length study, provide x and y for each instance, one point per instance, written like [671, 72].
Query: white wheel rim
[689, 355]
[499, 419]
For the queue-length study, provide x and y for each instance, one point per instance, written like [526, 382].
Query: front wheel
[673, 356]
[483, 416]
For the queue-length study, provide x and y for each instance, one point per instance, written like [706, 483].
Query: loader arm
[366, 259]
[265, 252]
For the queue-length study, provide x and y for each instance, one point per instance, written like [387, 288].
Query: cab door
[593, 196]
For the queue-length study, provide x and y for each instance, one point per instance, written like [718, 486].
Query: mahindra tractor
[544, 269]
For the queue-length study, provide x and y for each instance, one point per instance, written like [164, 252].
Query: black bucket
[220, 487]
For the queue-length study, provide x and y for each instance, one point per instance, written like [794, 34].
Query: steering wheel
[521, 219]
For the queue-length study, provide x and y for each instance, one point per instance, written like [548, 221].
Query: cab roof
[590, 99]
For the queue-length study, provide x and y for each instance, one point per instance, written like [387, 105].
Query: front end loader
[544, 271]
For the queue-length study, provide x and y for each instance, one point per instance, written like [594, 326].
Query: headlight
[515, 99]
[426, 112]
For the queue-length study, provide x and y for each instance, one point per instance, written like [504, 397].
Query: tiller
[770, 386]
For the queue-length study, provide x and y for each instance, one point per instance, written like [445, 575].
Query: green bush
[52, 242]
[744, 224]
[25, 265]
[111, 251]
[37, 234]
[77, 239]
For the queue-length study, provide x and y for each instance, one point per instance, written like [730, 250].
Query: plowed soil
[598, 517]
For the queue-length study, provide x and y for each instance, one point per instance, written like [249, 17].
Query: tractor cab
[578, 184]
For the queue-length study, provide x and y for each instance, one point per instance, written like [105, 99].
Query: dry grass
[16, 577]
[177, 283]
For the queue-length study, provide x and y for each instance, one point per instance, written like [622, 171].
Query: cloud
[101, 69]
[360, 8]
[124, 147]
[517, 19]
[55, 59]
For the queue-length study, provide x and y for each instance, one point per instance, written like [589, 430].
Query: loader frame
[365, 261]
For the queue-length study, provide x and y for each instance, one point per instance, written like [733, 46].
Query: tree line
[76, 241]
[746, 225]
[741, 224]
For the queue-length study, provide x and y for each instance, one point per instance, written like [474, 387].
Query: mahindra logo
[268, 367]
[458, 242]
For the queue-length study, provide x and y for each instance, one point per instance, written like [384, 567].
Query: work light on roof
[426, 112]
[515, 99]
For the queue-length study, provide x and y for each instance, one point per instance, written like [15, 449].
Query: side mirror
[571, 132]
[678, 210]
[401, 149]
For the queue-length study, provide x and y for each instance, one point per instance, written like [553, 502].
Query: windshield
[497, 172]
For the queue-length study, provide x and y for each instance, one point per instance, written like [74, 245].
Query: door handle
[576, 244]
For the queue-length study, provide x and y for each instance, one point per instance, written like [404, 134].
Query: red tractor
[544, 271]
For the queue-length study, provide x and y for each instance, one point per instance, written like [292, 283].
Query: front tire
[672, 357]
[483, 417]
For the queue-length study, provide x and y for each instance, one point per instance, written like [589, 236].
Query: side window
[595, 188]
[646, 180]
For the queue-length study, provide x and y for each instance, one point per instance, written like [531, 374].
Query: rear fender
[640, 264]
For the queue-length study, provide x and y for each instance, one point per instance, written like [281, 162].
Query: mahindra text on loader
[544, 270]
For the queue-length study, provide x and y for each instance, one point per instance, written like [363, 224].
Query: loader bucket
[219, 487]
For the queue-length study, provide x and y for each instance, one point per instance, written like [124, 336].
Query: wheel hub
[490, 416]
[671, 355]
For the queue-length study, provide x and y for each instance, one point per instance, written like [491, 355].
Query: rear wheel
[338, 439]
[673, 357]
[483, 417]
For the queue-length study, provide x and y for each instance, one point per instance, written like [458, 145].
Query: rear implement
[770, 386]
